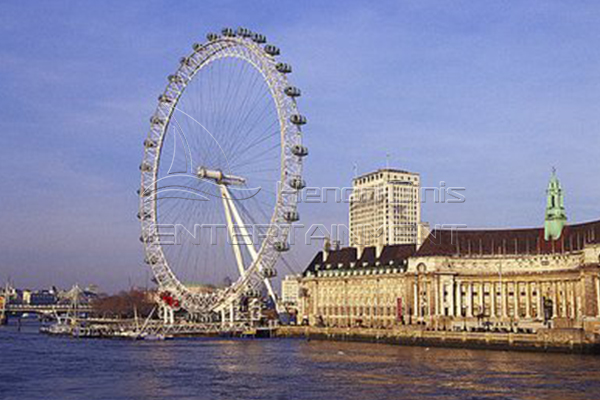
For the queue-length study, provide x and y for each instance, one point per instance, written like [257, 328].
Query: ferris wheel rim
[290, 135]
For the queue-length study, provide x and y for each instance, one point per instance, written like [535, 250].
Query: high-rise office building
[385, 208]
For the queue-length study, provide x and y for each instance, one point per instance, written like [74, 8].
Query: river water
[35, 366]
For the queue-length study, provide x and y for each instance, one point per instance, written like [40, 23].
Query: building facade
[385, 208]
[505, 279]
[290, 291]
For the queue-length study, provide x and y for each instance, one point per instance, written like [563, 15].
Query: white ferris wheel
[221, 174]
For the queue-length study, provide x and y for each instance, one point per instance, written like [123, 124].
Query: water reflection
[33, 366]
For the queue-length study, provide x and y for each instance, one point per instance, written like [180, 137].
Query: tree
[124, 304]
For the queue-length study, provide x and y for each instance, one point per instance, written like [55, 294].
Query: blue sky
[484, 95]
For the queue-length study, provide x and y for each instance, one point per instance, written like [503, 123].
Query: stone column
[427, 290]
[572, 292]
[458, 299]
[503, 300]
[481, 297]
[469, 299]
[516, 305]
[563, 284]
[580, 297]
[527, 300]
[451, 298]
[416, 311]
[492, 299]
[554, 299]
[540, 300]
[431, 297]
[437, 298]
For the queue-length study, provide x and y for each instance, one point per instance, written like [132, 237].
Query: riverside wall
[566, 340]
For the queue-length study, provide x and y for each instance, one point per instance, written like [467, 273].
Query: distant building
[26, 294]
[385, 208]
[43, 298]
[290, 290]
[200, 288]
[505, 279]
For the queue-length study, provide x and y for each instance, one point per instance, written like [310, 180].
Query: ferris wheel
[221, 174]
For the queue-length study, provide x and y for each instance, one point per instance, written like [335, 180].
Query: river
[35, 366]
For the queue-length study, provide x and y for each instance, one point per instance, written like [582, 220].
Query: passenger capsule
[187, 61]
[281, 246]
[143, 216]
[252, 293]
[283, 68]
[292, 91]
[149, 143]
[151, 260]
[212, 37]
[272, 50]
[259, 38]
[156, 120]
[298, 119]
[243, 32]
[197, 47]
[175, 79]
[299, 150]
[297, 183]
[269, 273]
[163, 98]
[145, 167]
[146, 239]
[291, 216]
[228, 32]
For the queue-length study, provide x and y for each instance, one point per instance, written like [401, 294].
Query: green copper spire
[556, 217]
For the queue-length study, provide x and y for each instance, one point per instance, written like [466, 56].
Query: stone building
[515, 279]
[290, 291]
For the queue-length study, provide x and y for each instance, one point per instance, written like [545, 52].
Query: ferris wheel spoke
[266, 133]
[231, 123]
[253, 124]
[228, 101]
[258, 156]
[247, 149]
[244, 121]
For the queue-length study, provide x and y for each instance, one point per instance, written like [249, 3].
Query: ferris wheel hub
[219, 177]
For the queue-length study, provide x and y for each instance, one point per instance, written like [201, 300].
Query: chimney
[379, 247]
[359, 251]
[326, 249]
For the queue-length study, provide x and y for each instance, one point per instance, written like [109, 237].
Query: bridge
[45, 309]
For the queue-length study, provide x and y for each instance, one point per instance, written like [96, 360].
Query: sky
[483, 95]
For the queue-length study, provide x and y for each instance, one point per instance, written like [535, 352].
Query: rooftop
[347, 258]
[462, 242]
[382, 170]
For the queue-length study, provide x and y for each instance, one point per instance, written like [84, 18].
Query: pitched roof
[454, 242]
[347, 257]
